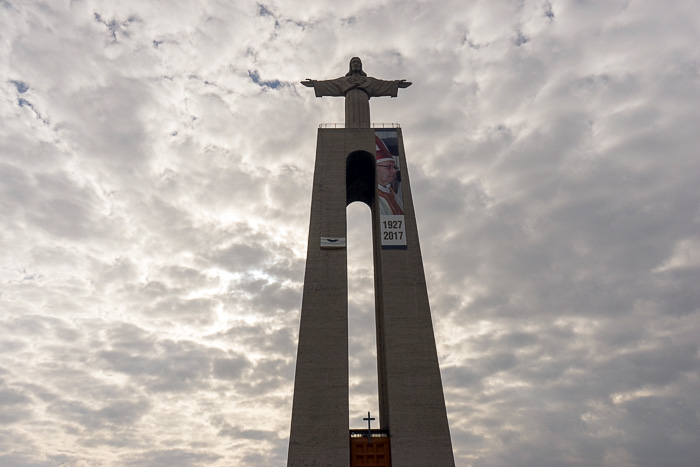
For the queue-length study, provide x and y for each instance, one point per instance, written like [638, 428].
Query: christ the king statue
[357, 88]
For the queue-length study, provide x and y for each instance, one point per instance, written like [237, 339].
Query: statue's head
[356, 67]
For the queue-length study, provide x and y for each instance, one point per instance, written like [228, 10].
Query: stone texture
[411, 400]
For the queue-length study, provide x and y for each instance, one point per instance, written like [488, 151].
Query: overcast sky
[156, 164]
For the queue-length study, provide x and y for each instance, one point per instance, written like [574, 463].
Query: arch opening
[362, 340]
[360, 167]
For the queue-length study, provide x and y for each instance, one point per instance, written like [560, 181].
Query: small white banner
[332, 242]
[393, 231]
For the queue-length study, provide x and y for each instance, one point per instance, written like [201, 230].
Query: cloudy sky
[155, 181]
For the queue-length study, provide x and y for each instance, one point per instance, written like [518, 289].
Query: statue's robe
[357, 90]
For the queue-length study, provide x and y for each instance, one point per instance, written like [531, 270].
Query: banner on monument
[389, 193]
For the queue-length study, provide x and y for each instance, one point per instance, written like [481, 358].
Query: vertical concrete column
[320, 433]
[412, 403]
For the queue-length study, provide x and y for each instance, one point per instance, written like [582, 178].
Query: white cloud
[156, 164]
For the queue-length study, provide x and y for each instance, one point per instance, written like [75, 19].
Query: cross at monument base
[369, 427]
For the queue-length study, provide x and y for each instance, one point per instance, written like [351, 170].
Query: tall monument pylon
[360, 163]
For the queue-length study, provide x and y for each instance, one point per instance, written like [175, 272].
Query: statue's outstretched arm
[328, 87]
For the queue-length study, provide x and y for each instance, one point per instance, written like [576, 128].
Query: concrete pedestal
[411, 401]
